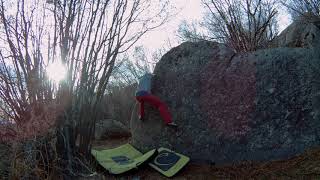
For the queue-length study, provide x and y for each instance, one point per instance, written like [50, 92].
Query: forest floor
[304, 166]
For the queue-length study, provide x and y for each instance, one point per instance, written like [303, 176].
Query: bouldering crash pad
[121, 159]
[168, 162]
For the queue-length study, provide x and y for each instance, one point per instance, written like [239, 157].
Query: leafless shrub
[119, 102]
[86, 36]
[245, 25]
[299, 8]
[191, 32]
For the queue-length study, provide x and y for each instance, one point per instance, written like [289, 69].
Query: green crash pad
[121, 159]
[168, 162]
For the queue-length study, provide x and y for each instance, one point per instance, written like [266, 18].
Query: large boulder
[6, 161]
[232, 107]
[109, 128]
[303, 32]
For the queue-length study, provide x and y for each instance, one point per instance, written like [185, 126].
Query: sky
[189, 10]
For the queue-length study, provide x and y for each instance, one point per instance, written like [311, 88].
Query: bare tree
[302, 7]
[24, 89]
[245, 25]
[191, 32]
[140, 61]
[87, 37]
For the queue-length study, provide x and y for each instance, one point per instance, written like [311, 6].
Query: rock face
[304, 32]
[5, 155]
[109, 128]
[232, 107]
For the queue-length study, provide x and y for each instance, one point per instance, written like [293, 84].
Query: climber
[143, 95]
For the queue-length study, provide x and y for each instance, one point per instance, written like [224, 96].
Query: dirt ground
[305, 166]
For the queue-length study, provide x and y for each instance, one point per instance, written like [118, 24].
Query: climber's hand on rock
[172, 124]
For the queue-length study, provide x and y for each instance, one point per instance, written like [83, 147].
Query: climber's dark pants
[156, 102]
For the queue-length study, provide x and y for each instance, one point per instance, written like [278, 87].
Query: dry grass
[29, 159]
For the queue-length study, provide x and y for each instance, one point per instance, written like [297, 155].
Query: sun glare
[56, 71]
